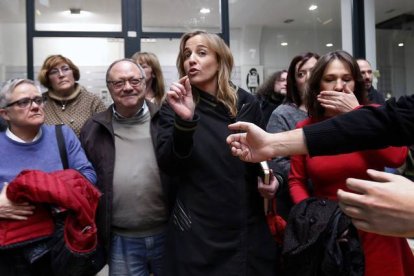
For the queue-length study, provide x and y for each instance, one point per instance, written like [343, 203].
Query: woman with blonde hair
[67, 102]
[154, 79]
[218, 225]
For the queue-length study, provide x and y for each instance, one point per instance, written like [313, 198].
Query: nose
[60, 73]
[339, 85]
[34, 105]
[127, 85]
[191, 58]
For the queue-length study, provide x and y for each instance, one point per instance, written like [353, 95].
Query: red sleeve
[298, 178]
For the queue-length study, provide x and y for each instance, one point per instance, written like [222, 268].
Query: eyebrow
[335, 75]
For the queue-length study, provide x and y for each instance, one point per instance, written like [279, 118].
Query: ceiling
[179, 13]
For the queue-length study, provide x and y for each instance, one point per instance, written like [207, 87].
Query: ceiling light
[284, 44]
[329, 45]
[400, 44]
[313, 7]
[204, 10]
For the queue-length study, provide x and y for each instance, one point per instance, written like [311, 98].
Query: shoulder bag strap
[62, 148]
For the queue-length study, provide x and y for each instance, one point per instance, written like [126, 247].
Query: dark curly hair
[267, 88]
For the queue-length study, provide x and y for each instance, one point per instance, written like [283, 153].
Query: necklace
[63, 103]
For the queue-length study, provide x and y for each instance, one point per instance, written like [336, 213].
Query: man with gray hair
[132, 215]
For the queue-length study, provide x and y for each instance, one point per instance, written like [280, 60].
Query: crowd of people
[169, 180]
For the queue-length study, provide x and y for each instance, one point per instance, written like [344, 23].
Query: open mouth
[193, 71]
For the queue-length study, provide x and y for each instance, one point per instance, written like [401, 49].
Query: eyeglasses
[121, 83]
[27, 102]
[64, 70]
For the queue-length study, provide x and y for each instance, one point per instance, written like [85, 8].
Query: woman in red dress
[338, 73]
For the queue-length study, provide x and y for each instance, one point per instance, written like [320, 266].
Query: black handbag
[64, 261]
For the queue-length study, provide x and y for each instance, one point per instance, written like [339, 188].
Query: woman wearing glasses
[28, 144]
[68, 102]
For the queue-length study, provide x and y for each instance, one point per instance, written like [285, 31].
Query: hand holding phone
[266, 172]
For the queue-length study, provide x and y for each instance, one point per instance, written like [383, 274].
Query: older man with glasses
[132, 216]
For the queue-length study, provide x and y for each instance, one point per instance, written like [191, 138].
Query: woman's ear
[3, 114]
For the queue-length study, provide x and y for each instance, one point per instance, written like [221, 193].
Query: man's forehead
[125, 67]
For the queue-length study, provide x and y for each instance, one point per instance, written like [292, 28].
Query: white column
[370, 35]
[346, 25]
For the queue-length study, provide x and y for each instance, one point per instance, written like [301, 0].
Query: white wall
[13, 51]
[275, 57]
[395, 64]
[93, 55]
[13, 44]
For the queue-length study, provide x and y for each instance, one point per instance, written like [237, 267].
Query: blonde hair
[157, 85]
[226, 93]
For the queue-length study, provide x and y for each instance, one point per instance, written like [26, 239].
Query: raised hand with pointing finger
[180, 98]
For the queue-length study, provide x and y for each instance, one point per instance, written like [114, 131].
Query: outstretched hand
[180, 98]
[251, 144]
[338, 102]
[384, 205]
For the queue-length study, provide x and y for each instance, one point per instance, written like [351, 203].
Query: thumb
[4, 189]
[240, 126]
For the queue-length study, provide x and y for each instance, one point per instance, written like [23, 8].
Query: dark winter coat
[218, 225]
[97, 136]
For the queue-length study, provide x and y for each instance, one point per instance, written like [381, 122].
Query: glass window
[74, 15]
[394, 47]
[91, 55]
[267, 34]
[181, 16]
[166, 50]
[13, 59]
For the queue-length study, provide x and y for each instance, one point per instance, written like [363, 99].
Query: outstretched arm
[253, 144]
